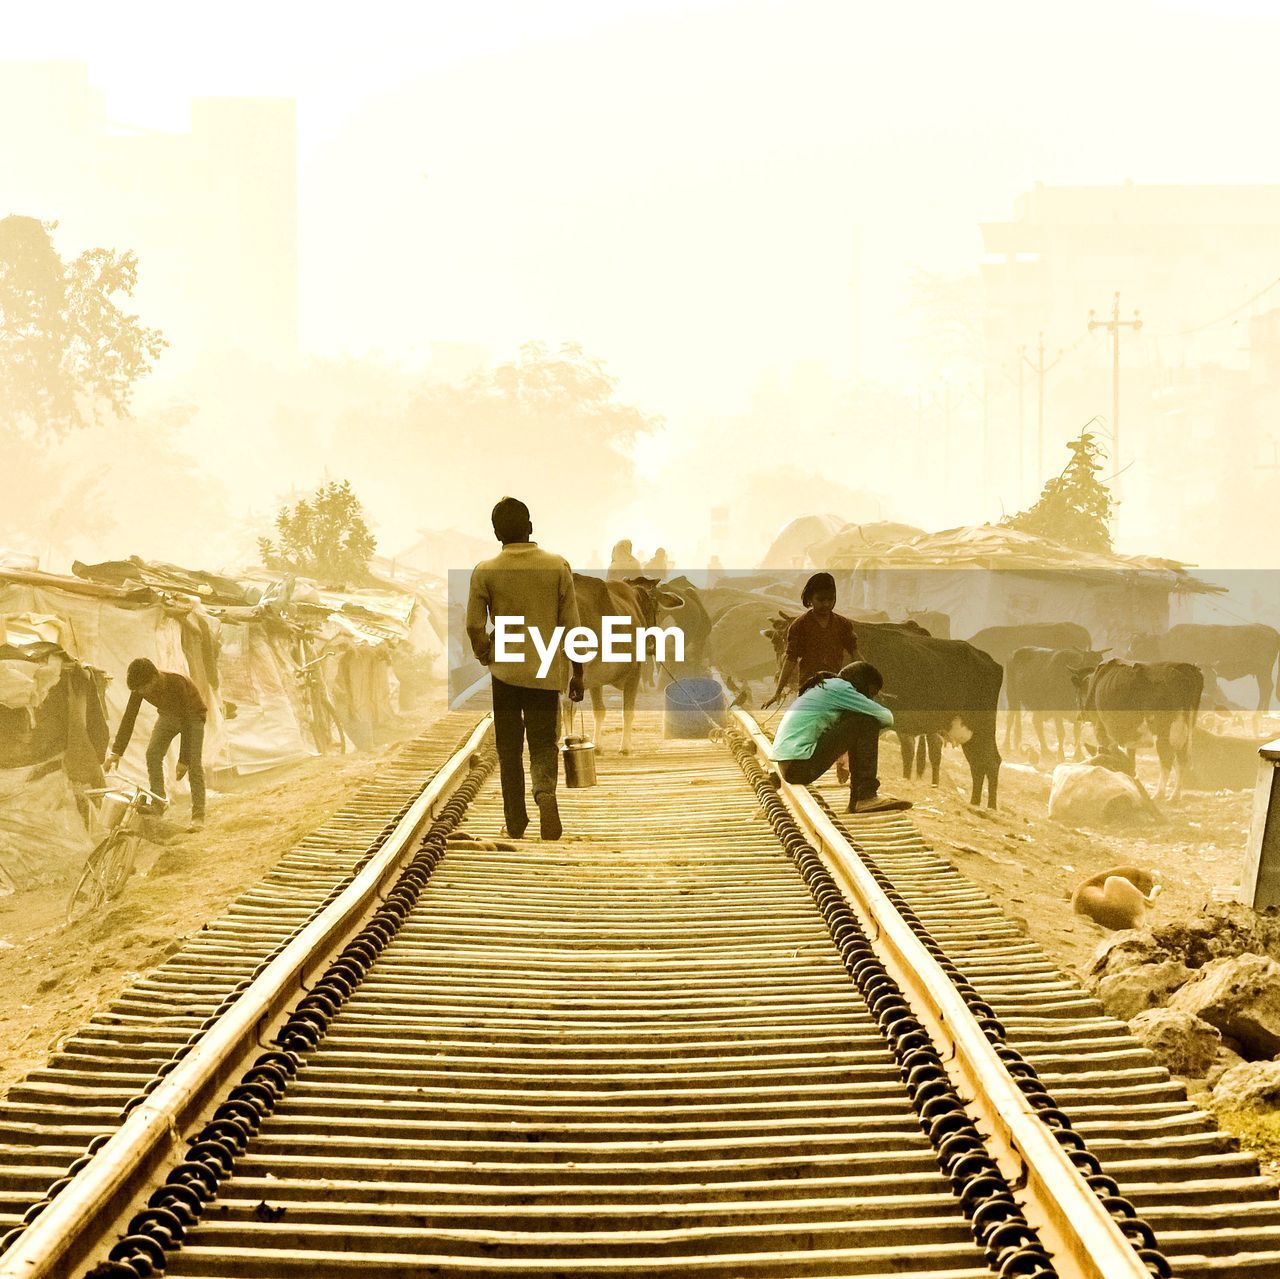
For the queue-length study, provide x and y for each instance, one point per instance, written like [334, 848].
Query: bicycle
[109, 865]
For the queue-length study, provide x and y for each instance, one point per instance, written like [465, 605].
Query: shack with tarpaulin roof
[994, 576]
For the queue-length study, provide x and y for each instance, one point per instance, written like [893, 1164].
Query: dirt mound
[1219, 930]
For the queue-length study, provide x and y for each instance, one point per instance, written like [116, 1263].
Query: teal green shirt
[812, 713]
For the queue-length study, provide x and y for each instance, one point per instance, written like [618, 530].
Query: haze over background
[731, 205]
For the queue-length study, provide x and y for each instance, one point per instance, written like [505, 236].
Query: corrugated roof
[990, 546]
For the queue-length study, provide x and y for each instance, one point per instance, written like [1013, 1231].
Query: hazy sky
[681, 186]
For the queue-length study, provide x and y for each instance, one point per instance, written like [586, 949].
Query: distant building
[211, 212]
[1181, 254]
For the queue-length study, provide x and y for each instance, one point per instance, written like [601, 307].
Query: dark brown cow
[1220, 651]
[1123, 699]
[940, 687]
[914, 747]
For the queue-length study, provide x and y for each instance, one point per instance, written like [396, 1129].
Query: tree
[325, 537]
[69, 354]
[1075, 507]
[548, 426]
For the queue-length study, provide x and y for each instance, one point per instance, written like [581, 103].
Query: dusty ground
[56, 977]
[1031, 865]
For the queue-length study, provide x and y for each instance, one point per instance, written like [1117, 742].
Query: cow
[914, 750]
[681, 603]
[1044, 682]
[937, 624]
[938, 686]
[1121, 699]
[597, 600]
[740, 646]
[1003, 641]
[718, 600]
[914, 747]
[917, 748]
[1221, 652]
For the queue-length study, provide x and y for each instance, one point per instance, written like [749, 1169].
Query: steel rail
[1081, 1235]
[66, 1232]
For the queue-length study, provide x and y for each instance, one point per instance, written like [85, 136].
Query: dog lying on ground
[1116, 898]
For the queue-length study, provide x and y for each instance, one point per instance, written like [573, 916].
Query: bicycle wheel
[121, 848]
[91, 888]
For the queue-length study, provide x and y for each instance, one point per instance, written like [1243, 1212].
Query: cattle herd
[945, 690]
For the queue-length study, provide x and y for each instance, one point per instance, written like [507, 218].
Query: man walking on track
[535, 587]
[181, 714]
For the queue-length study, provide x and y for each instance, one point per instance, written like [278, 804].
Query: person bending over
[820, 639]
[181, 713]
[837, 715]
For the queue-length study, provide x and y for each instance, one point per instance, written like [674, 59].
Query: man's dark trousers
[853, 734]
[517, 713]
[191, 752]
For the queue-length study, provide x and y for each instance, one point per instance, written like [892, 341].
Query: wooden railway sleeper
[1139, 1232]
[211, 1157]
[1010, 1245]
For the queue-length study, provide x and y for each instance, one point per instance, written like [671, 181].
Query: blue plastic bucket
[692, 708]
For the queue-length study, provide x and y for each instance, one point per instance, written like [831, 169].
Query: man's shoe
[516, 830]
[197, 823]
[549, 812]
[879, 804]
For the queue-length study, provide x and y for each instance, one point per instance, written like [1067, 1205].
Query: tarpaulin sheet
[257, 679]
[43, 839]
[101, 632]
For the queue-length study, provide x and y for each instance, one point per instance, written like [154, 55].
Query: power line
[1200, 328]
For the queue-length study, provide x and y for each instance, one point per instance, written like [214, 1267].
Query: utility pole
[1041, 369]
[1022, 423]
[1114, 325]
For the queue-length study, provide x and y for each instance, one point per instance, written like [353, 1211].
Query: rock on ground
[1248, 1086]
[1241, 997]
[1125, 949]
[1226, 1059]
[1186, 1045]
[1219, 930]
[1088, 795]
[1133, 990]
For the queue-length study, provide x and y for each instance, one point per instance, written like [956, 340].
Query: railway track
[665, 1046]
